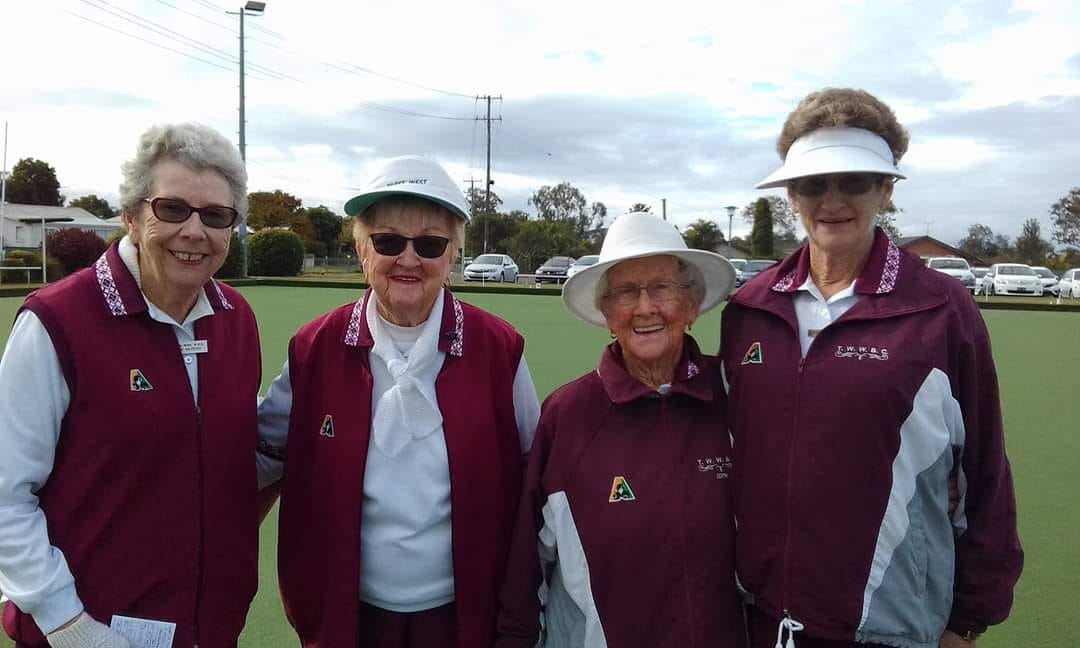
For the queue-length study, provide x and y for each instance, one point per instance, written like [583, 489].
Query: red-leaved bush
[75, 248]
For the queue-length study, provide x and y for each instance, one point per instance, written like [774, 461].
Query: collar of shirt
[814, 312]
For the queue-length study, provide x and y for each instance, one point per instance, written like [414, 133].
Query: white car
[1048, 278]
[1012, 279]
[954, 267]
[979, 273]
[739, 264]
[1069, 284]
[492, 267]
[581, 264]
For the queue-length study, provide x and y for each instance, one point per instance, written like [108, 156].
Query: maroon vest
[323, 488]
[152, 496]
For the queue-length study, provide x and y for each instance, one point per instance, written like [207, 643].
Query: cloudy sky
[679, 99]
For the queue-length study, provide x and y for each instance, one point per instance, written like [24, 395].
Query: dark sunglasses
[428, 247]
[174, 210]
[851, 184]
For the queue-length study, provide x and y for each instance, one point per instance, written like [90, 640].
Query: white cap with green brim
[641, 234]
[834, 150]
[411, 175]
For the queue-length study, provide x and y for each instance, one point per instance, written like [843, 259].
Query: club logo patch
[719, 466]
[620, 490]
[753, 354]
[327, 429]
[138, 381]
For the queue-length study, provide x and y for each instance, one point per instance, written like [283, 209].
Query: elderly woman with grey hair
[128, 394]
[625, 535]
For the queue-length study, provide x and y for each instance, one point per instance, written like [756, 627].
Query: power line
[197, 16]
[408, 83]
[217, 9]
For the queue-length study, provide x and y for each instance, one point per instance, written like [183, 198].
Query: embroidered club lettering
[753, 354]
[327, 429]
[138, 381]
[862, 352]
[620, 490]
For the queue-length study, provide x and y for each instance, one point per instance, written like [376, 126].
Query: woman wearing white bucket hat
[404, 418]
[848, 433]
[625, 515]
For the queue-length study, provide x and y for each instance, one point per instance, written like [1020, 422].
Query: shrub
[75, 249]
[317, 248]
[232, 266]
[31, 259]
[275, 253]
[116, 236]
[13, 276]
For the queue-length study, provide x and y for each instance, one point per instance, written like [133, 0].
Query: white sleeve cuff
[57, 609]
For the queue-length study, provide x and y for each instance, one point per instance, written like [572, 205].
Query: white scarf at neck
[408, 410]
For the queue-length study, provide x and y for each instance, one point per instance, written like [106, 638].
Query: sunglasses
[174, 210]
[850, 184]
[428, 247]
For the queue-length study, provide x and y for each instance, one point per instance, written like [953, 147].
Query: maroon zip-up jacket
[626, 517]
[842, 459]
[323, 485]
[152, 496]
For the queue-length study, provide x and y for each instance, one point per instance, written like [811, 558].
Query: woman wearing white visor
[860, 383]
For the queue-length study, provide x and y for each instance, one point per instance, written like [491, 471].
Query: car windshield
[587, 260]
[489, 259]
[949, 264]
[1017, 270]
[757, 266]
[980, 272]
[740, 264]
[558, 262]
[1045, 273]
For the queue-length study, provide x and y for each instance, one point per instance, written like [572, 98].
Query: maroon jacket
[152, 496]
[626, 517]
[322, 493]
[842, 459]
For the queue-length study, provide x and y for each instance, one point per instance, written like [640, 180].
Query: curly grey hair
[193, 145]
[689, 275]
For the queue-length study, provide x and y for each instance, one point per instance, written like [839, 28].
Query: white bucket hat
[834, 150]
[415, 176]
[641, 234]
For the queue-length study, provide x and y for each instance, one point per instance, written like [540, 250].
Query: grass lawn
[1036, 353]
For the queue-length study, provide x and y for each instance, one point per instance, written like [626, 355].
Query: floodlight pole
[256, 8]
[730, 215]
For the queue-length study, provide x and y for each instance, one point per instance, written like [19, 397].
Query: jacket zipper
[202, 523]
[665, 431]
[790, 471]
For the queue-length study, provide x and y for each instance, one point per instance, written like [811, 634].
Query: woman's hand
[952, 640]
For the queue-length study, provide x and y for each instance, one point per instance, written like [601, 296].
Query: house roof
[907, 241]
[75, 216]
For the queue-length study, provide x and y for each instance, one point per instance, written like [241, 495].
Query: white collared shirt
[814, 312]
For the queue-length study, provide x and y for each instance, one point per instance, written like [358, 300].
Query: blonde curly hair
[843, 107]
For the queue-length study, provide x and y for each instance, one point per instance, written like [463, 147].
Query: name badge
[198, 346]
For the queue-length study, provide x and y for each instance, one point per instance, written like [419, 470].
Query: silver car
[1069, 285]
[955, 267]
[492, 267]
[1048, 278]
[1012, 279]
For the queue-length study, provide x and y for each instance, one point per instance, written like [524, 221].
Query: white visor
[834, 150]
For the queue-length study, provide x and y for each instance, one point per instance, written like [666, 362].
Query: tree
[538, 240]
[703, 235]
[231, 268]
[981, 241]
[33, 182]
[1030, 248]
[563, 202]
[886, 219]
[275, 253]
[500, 229]
[273, 209]
[346, 242]
[761, 237]
[75, 248]
[783, 217]
[97, 206]
[1066, 219]
[640, 207]
[327, 225]
[478, 204]
[599, 215]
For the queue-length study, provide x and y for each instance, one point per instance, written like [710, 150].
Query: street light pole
[256, 8]
[730, 214]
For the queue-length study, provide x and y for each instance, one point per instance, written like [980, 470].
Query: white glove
[85, 632]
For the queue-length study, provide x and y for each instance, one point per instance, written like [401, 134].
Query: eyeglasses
[661, 291]
[850, 184]
[174, 210]
[428, 247]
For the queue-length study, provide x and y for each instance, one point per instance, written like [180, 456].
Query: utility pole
[489, 182]
[663, 207]
[3, 199]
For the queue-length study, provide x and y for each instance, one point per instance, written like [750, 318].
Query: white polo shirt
[814, 312]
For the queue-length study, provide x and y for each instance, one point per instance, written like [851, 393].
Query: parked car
[492, 267]
[1048, 279]
[739, 265]
[751, 270]
[1069, 285]
[979, 273]
[554, 269]
[1012, 279]
[582, 263]
[955, 267]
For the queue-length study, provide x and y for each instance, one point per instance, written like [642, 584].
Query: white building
[22, 224]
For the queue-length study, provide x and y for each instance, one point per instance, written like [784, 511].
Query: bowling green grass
[1037, 356]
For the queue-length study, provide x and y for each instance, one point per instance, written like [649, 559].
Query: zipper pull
[792, 626]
